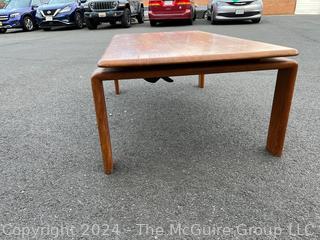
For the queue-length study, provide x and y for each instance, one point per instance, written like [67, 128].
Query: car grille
[102, 5]
[240, 3]
[247, 14]
[4, 18]
[49, 12]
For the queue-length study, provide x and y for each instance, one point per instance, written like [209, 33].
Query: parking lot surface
[183, 155]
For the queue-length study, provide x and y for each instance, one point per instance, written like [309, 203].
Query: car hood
[6, 11]
[55, 6]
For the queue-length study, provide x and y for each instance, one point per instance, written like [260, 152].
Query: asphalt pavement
[189, 163]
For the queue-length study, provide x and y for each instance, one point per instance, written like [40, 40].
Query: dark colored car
[113, 11]
[165, 10]
[61, 13]
[19, 14]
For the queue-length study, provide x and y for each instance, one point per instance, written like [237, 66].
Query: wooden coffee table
[148, 55]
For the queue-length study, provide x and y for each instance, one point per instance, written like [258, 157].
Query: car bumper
[55, 23]
[104, 16]
[187, 14]
[14, 23]
[64, 20]
[228, 12]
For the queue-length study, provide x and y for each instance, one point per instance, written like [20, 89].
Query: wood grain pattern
[201, 81]
[117, 87]
[280, 109]
[287, 71]
[103, 126]
[109, 74]
[128, 50]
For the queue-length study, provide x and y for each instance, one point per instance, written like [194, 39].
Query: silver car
[219, 10]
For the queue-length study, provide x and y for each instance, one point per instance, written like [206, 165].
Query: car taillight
[182, 2]
[155, 3]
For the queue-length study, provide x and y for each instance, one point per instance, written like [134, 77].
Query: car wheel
[28, 24]
[140, 17]
[91, 24]
[194, 15]
[212, 18]
[3, 30]
[153, 23]
[256, 20]
[78, 20]
[207, 16]
[126, 18]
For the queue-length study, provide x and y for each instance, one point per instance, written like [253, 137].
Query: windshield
[18, 4]
[61, 1]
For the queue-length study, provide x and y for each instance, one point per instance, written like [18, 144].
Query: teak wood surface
[143, 49]
[287, 71]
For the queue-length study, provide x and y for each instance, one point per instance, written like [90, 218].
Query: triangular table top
[130, 50]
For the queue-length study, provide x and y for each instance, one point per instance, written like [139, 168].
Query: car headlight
[14, 15]
[221, 3]
[38, 13]
[91, 5]
[114, 4]
[85, 5]
[121, 4]
[66, 9]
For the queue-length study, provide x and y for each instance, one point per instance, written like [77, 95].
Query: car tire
[194, 15]
[153, 23]
[78, 20]
[256, 20]
[3, 30]
[126, 18]
[190, 21]
[140, 17]
[28, 24]
[213, 20]
[91, 24]
[207, 15]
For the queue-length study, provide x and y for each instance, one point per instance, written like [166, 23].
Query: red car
[164, 10]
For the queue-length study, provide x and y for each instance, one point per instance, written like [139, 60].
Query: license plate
[102, 14]
[167, 3]
[239, 11]
[49, 18]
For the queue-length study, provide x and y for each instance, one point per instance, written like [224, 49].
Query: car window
[18, 4]
[61, 1]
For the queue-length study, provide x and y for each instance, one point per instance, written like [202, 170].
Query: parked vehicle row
[32, 14]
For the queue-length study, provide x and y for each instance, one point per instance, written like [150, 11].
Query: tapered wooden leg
[102, 121]
[280, 109]
[117, 87]
[201, 81]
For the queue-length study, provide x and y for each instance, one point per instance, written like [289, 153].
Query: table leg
[280, 109]
[201, 80]
[117, 87]
[102, 121]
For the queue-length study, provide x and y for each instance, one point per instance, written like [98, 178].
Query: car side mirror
[83, 1]
[34, 7]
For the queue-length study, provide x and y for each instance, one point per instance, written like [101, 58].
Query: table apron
[105, 74]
